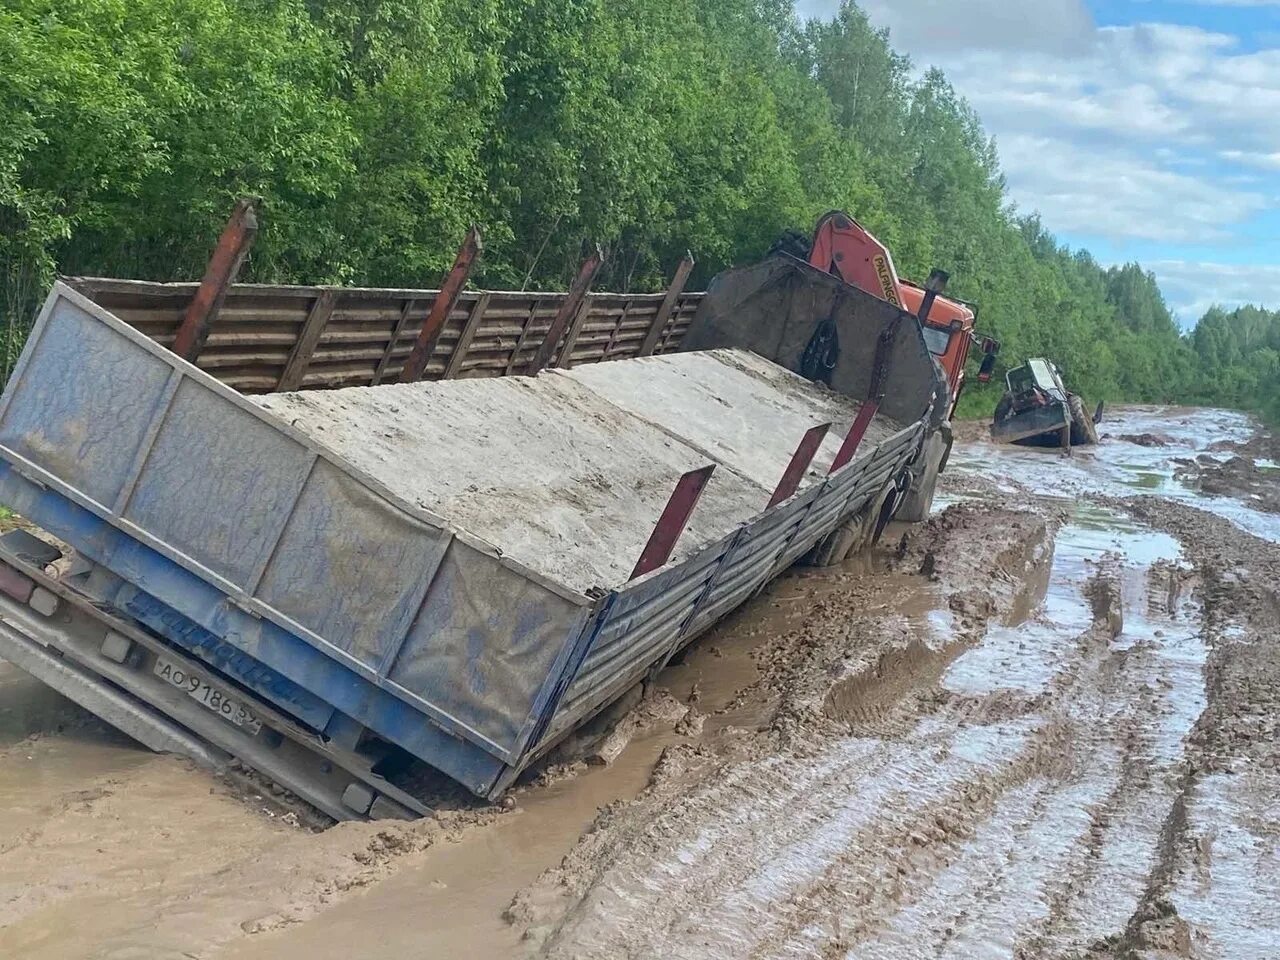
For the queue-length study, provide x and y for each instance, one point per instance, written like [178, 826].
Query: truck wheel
[919, 499]
[838, 544]
[1082, 429]
[850, 537]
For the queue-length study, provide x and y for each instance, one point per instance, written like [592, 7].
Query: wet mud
[1042, 724]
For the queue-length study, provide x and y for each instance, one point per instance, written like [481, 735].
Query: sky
[1144, 130]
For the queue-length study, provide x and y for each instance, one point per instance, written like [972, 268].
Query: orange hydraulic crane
[843, 247]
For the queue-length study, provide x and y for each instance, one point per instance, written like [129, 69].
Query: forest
[376, 131]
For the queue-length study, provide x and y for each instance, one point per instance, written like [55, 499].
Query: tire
[850, 537]
[838, 544]
[1083, 431]
[1004, 407]
[919, 499]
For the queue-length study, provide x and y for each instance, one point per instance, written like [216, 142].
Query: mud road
[1043, 724]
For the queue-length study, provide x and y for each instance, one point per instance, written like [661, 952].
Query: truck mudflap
[168, 700]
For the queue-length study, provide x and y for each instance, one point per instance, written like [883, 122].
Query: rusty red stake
[675, 517]
[568, 310]
[233, 245]
[800, 461]
[855, 435]
[442, 306]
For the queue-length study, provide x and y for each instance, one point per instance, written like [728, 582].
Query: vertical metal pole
[233, 245]
[800, 461]
[393, 340]
[568, 310]
[442, 306]
[571, 338]
[678, 280]
[936, 283]
[675, 517]
[463, 345]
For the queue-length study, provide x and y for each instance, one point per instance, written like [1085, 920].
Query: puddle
[1118, 467]
[451, 902]
[1228, 888]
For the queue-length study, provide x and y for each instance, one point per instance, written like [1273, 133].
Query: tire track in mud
[996, 815]
[1195, 905]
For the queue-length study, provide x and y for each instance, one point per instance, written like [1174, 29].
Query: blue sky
[1143, 130]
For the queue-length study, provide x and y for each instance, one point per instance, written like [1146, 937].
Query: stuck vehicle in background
[1038, 410]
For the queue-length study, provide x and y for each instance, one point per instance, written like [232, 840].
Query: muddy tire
[919, 498]
[838, 544]
[1083, 431]
[853, 535]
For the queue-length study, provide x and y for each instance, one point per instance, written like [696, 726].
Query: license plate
[199, 690]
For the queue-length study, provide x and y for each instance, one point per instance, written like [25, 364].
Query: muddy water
[451, 901]
[1120, 467]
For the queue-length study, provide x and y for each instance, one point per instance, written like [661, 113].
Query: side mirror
[984, 371]
[990, 346]
[1097, 414]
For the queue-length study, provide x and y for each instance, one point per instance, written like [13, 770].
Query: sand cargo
[332, 583]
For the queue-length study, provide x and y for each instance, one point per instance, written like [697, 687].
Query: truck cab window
[936, 340]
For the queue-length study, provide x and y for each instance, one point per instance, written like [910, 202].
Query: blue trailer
[219, 583]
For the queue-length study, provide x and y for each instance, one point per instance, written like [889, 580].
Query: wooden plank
[520, 340]
[442, 306]
[676, 288]
[613, 337]
[566, 352]
[568, 309]
[295, 369]
[380, 372]
[464, 340]
[233, 245]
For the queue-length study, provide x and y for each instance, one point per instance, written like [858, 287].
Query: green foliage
[375, 131]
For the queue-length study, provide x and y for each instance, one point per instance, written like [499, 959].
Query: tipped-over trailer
[254, 579]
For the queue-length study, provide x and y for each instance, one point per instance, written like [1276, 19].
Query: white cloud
[1119, 195]
[1146, 85]
[1192, 287]
[1152, 133]
[1267, 161]
[1057, 26]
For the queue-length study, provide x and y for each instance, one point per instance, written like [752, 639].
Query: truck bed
[331, 576]
[568, 471]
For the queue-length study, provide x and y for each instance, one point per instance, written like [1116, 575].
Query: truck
[844, 248]
[1038, 410]
[342, 539]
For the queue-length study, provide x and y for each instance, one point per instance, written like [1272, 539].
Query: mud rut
[1014, 808]
[1048, 731]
